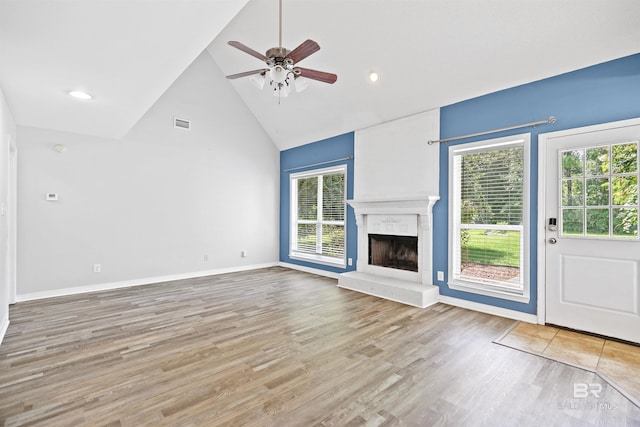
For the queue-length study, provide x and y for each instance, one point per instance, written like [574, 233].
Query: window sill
[476, 288]
[319, 259]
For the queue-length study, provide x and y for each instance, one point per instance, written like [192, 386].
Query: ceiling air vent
[181, 123]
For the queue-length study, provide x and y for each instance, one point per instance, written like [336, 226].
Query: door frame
[542, 197]
[11, 218]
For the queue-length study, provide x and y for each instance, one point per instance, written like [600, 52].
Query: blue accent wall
[599, 94]
[300, 158]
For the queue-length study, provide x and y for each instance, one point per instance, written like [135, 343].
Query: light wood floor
[278, 347]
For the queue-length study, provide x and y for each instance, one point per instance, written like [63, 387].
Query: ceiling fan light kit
[282, 72]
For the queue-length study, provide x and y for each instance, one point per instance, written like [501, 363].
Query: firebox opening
[399, 252]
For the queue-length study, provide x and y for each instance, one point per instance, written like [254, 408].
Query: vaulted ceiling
[429, 53]
[125, 53]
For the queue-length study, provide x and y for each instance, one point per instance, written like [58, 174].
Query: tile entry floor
[616, 362]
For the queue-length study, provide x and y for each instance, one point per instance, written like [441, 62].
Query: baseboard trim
[136, 282]
[311, 270]
[489, 309]
[497, 311]
[3, 328]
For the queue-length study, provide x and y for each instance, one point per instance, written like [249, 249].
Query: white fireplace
[395, 277]
[396, 184]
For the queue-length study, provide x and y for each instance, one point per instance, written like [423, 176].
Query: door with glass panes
[592, 250]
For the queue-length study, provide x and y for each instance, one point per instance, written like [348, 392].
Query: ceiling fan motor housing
[278, 55]
[279, 65]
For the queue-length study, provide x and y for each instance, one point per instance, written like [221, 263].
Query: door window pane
[572, 163]
[625, 158]
[598, 192]
[625, 191]
[598, 222]
[572, 192]
[572, 222]
[625, 222]
[597, 161]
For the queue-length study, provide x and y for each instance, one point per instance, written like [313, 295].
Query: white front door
[591, 247]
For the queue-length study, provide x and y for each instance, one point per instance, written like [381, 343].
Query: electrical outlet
[349, 261]
[97, 268]
[441, 276]
[206, 257]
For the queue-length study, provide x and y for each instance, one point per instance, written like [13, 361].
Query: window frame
[493, 144]
[318, 258]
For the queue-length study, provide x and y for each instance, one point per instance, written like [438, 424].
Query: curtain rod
[551, 119]
[318, 164]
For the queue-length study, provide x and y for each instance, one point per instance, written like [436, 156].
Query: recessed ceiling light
[80, 94]
[373, 76]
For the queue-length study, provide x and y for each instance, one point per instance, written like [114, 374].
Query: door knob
[552, 240]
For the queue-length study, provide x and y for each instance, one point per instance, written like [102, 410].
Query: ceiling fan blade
[247, 73]
[316, 75]
[305, 49]
[248, 50]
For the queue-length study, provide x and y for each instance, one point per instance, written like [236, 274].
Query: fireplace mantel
[419, 205]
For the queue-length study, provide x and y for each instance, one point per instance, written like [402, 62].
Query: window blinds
[488, 215]
[320, 214]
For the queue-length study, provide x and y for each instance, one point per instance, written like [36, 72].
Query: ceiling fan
[282, 70]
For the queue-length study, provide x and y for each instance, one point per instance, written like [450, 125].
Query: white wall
[153, 204]
[7, 213]
[393, 160]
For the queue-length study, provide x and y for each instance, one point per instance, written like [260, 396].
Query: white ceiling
[429, 53]
[125, 53]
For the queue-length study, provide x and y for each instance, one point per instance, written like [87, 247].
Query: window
[488, 209]
[318, 216]
[600, 192]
